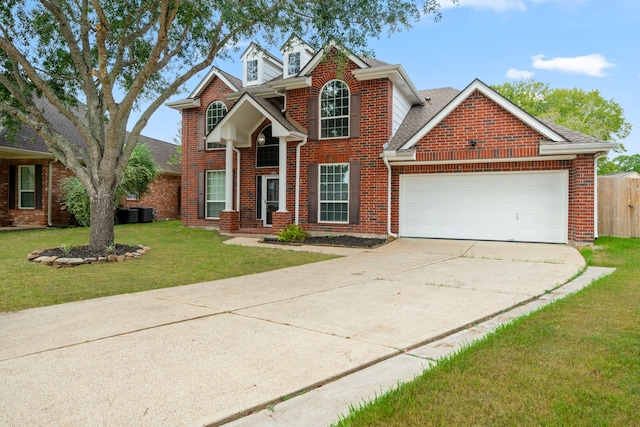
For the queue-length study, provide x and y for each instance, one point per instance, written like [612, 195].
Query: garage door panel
[518, 206]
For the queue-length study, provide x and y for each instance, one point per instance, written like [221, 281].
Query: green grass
[574, 363]
[178, 256]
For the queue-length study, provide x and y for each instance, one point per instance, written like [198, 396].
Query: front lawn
[574, 363]
[178, 256]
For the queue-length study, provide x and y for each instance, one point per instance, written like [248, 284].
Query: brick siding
[498, 134]
[163, 196]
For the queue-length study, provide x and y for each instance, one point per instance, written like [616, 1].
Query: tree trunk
[101, 232]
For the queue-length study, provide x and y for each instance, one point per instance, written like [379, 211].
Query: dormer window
[294, 63]
[259, 66]
[252, 70]
[296, 54]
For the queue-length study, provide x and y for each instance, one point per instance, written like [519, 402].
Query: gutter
[297, 197]
[50, 195]
[237, 180]
[595, 191]
[388, 166]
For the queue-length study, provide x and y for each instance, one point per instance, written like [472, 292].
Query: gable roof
[421, 119]
[317, 58]
[494, 96]
[234, 83]
[246, 115]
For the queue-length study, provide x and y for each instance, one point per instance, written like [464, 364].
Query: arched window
[334, 110]
[215, 112]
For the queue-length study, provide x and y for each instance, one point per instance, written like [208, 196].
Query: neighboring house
[31, 179]
[342, 144]
[164, 191]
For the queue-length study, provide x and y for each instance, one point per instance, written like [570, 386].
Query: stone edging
[60, 262]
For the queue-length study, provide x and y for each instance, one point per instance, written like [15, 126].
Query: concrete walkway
[213, 352]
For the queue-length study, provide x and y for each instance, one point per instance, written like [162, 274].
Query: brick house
[31, 179]
[342, 144]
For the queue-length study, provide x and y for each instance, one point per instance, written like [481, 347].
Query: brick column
[280, 220]
[229, 221]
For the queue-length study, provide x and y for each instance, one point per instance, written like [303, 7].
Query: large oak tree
[107, 57]
[583, 111]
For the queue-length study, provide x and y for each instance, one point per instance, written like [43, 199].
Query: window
[334, 110]
[294, 63]
[215, 193]
[268, 152]
[215, 112]
[133, 196]
[27, 187]
[252, 70]
[334, 192]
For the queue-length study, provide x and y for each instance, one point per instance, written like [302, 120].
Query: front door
[270, 197]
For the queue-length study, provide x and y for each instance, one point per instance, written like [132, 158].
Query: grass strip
[178, 256]
[576, 362]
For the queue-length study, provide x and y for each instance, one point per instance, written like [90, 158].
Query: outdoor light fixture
[261, 139]
[473, 143]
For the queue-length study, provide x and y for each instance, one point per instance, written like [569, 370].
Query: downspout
[297, 201]
[50, 195]
[237, 180]
[388, 166]
[595, 192]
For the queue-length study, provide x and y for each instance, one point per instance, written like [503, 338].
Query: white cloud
[505, 5]
[591, 65]
[519, 74]
[495, 5]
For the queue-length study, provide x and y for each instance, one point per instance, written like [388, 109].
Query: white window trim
[20, 190]
[206, 192]
[206, 118]
[348, 116]
[320, 201]
[133, 196]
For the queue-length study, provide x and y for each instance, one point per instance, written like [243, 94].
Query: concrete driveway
[211, 352]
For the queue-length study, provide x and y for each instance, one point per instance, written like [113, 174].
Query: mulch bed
[346, 241]
[84, 252]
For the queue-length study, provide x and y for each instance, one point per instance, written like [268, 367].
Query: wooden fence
[619, 205]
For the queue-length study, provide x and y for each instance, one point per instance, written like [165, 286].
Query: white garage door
[508, 206]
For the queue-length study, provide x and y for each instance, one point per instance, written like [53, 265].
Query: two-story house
[343, 144]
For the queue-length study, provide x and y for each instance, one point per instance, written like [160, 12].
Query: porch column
[282, 175]
[228, 178]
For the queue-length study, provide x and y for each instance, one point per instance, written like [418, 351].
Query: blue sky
[589, 44]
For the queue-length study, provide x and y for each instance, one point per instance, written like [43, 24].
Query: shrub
[136, 178]
[292, 234]
[76, 200]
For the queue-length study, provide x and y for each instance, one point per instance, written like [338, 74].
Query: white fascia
[395, 156]
[183, 104]
[262, 93]
[398, 77]
[576, 148]
[214, 72]
[292, 83]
